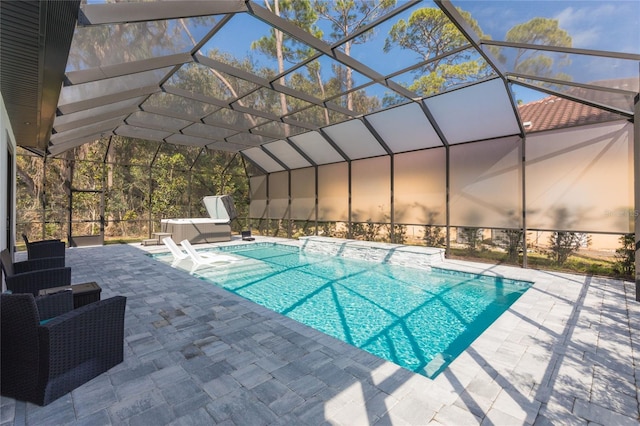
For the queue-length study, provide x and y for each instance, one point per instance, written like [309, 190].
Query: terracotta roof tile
[554, 112]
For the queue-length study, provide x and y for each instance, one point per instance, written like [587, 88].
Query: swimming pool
[418, 319]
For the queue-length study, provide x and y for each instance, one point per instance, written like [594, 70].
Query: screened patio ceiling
[290, 92]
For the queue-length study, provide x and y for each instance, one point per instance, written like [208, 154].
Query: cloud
[576, 22]
[590, 27]
[576, 17]
[592, 24]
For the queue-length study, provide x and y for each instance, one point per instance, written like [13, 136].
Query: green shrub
[433, 236]
[563, 244]
[625, 264]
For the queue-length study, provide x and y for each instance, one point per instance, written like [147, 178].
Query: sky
[592, 24]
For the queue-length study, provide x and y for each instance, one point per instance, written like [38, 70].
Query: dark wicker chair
[52, 305]
[30, 276]
[44, 248]
[42, 362]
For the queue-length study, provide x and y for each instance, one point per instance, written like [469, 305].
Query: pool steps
[394, 254]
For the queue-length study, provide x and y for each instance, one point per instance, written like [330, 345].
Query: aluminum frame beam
[118, 13]
[109, 71]
[560, 49]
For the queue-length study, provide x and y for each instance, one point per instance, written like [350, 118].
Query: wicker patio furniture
[44, 248]
[30, 276]
[52, 305]
[41, 362]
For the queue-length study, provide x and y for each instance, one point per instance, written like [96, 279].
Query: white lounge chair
[178, 254]
[205, 258]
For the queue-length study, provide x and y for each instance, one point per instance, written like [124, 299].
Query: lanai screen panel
[258, 188]
[371, 190]
[157, 121]
[278, 195]
[405, 128]
[63, 146]
[473, 113]
[581, 179]
[317, 148]
[419, 190]
[92, 129]
[77, 119]
[486, 184]
[285, 153]
[303, 194]
[355, 140]
[263, 160]
[333, 192]
[98, 47]
[141, 133]
[97, 93]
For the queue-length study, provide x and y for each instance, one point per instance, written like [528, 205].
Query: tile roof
[554, 112]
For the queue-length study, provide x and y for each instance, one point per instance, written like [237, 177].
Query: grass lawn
[578, 263]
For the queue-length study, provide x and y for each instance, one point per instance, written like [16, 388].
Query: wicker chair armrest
[42, 249]
[55, 304]
[52, 240]
[19, 346]
[32, 282]
[82, 343]
[37, 264]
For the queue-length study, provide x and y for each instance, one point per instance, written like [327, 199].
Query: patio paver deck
[567, 352]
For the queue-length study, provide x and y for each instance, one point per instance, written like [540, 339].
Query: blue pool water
[417, 319]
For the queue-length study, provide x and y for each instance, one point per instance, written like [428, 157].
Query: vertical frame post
[636, 189]
[523, 159]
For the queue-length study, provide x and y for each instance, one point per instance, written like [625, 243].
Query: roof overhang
[35, 37]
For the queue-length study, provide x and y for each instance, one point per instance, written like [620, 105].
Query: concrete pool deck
[567, 352]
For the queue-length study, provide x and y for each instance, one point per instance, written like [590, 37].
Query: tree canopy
[431, 35]
[542, 31]
[442, 57]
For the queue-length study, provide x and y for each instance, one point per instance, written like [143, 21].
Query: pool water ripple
[418, 319]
